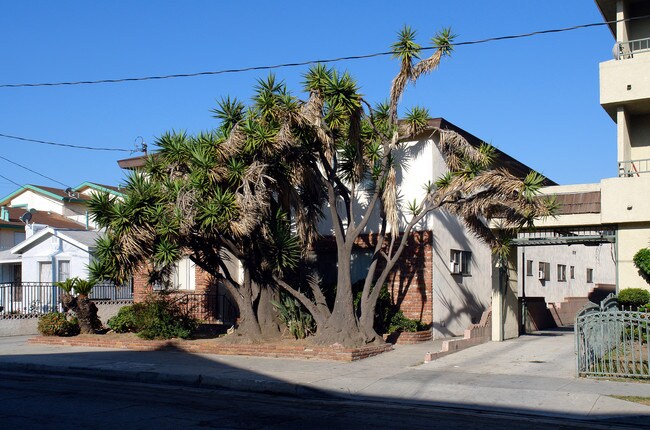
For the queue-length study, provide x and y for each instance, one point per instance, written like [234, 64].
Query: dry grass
[635, 399]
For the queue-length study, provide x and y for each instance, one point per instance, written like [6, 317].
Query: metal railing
[625, 50]
[631, 168]
[37, 298]
[208, 307]
[611, 342]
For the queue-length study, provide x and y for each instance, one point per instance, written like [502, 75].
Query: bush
[156, 318]
[299, 322]
[401, 323]
[633, 297]
[126, 319]
[57, 324]
[642, 262]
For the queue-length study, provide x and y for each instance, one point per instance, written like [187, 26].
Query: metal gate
[611, 342]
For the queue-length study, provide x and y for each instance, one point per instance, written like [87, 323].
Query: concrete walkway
[532, 375]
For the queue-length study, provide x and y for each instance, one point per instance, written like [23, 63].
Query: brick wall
[411, 282]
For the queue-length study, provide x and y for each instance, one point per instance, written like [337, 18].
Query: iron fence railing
[625, 50]
[630, 168]
[612, 342]
[208, 307]
[36, 298]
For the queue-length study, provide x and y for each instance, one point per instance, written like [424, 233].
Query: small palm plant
[75, 298]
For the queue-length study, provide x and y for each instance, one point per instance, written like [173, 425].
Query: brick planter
[284, 349]
[409, 338]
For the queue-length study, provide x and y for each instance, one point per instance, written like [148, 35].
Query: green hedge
[633, 297]
[156, 318]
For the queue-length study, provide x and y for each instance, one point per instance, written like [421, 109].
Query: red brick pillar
[411, 283]
[141, 287]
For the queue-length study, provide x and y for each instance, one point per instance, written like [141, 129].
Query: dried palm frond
[233, 143]
[389, 201]
[427, 65]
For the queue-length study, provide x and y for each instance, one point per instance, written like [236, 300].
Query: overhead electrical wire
[305, 63]
[13, 182]
[45, 142]
[33, 171]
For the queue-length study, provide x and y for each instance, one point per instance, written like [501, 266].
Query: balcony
[633, 168]
[627, 50]
[625, 81]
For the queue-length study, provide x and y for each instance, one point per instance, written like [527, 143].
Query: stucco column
[505, 324]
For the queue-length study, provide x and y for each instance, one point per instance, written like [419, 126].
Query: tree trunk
[267, 316]
[85, 311]
[87, 315]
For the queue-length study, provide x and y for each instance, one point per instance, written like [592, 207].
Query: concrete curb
[264, 386]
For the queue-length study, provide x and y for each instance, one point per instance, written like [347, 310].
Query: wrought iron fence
[209, 307]
[37, 298]
[612, 342]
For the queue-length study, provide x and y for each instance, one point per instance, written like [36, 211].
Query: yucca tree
[355, 145]
[258, 185]
[215, 196]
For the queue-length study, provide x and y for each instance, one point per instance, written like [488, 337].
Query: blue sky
[534, 98]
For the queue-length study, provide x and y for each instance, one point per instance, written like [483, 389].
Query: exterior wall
[458, 300]
[631, 238]
[616, 76]
[640, 137]
[625, 200]
[37, 201]
[53, 250]
[601, 259]
[77, 212]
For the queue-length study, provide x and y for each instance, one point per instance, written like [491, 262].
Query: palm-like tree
[257, 186]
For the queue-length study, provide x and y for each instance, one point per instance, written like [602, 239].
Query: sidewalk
[532, 375]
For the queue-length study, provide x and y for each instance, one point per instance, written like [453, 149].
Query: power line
[33, 171]
[13, 182]
[90, 148]
[309, 62]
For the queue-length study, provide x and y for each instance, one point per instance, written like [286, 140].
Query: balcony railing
[625, 50]
[36, 298]
[632, 168]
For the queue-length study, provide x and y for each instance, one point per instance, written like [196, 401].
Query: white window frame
[590, 275]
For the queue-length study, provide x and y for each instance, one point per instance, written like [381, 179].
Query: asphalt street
[55, 402]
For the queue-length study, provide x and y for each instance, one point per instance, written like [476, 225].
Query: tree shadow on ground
[297, 380]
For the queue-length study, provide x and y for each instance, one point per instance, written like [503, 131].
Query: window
[572, 272]
[561, 272]
[590, 276]
[460, 262]
[64, 271]
[45, 273]
[529, 267]
[544, 271]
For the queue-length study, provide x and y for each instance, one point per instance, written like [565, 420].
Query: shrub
[399, 322]
[633, 297]
[642, 262]
[126, 319]
[299, 322]
[57, 324]
[156, 318]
